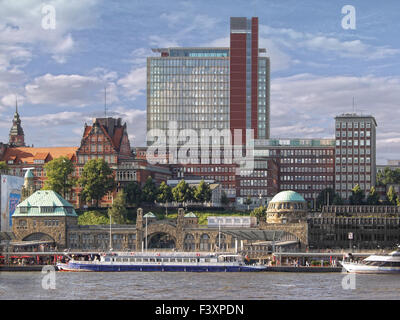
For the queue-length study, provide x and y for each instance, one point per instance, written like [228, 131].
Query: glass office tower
[212, 88]
[189, 86]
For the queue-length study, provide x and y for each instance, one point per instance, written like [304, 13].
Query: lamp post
[110, 235]
[219, 234]
[65, 178]
[145, 239]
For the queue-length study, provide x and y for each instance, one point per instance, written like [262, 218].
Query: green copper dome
[287, 196]
[29, 174]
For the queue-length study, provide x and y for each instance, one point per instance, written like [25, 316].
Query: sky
[59, 74]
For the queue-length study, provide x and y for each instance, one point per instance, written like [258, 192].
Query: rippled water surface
[163, 285]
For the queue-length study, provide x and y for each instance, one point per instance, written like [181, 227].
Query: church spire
[17, 137]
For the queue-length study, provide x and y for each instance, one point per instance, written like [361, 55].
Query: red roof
[28, 155]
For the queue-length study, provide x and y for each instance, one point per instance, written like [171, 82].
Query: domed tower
[17, 137]
[29, 185]
[287, 207]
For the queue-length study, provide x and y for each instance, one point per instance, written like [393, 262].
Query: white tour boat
[167, 261]
[389, 263]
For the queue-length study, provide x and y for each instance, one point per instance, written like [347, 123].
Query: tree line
[97, 179]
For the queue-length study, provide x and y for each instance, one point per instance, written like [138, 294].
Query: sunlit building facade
[212, 88]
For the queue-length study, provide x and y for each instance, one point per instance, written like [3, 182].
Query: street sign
[350, 235]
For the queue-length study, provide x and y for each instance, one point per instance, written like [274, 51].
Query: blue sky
[317, 66]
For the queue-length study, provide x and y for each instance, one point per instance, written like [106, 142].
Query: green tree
[391, 196]
[357, 196]
[3, 165]
[373, 197]
[181, 192]
[96, 180]
[388, 176]
[59, 175]
[164, 195]
[203, 192]
[224, 198]
[118, 210]
[149, 191]
[92, 218]
[259, 212]
[133, 193]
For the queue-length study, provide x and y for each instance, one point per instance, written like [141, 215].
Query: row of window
[306, 161]
[350, 134]
[306, 178]
[307, 169]
[354, 168]
[306, 152]
[351, 151]
[355, 143]
[345, 160]
[307, 187]
[351, 177]
[181, 63]
[351, 124]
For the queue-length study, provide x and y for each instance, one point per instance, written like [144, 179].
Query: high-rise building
[212, 88]
[355, 153]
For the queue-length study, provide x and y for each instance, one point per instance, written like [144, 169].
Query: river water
[194, 286]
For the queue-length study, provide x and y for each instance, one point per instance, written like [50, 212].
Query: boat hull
[360, 268]
[83, 267]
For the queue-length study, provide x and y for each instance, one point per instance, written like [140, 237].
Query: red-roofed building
[20, 158]
[106, 138]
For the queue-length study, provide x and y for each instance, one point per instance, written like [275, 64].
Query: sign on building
[350, 235]
[10, 195]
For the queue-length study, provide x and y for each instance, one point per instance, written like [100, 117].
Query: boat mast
[110, 234]
[110, 227]
[146, 235]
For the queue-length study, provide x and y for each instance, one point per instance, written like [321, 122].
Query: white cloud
[54, 119]
[292, 39]
[134, 83]
[305, 105]
[21, 25]
[69, 90]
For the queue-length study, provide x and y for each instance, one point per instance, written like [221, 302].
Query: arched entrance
[39, 236]
[161, 240]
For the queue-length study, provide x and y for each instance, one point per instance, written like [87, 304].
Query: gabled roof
[45, 198]
[28, 155]
[40, 156]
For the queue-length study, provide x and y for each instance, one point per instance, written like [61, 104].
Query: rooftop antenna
[354, 107]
